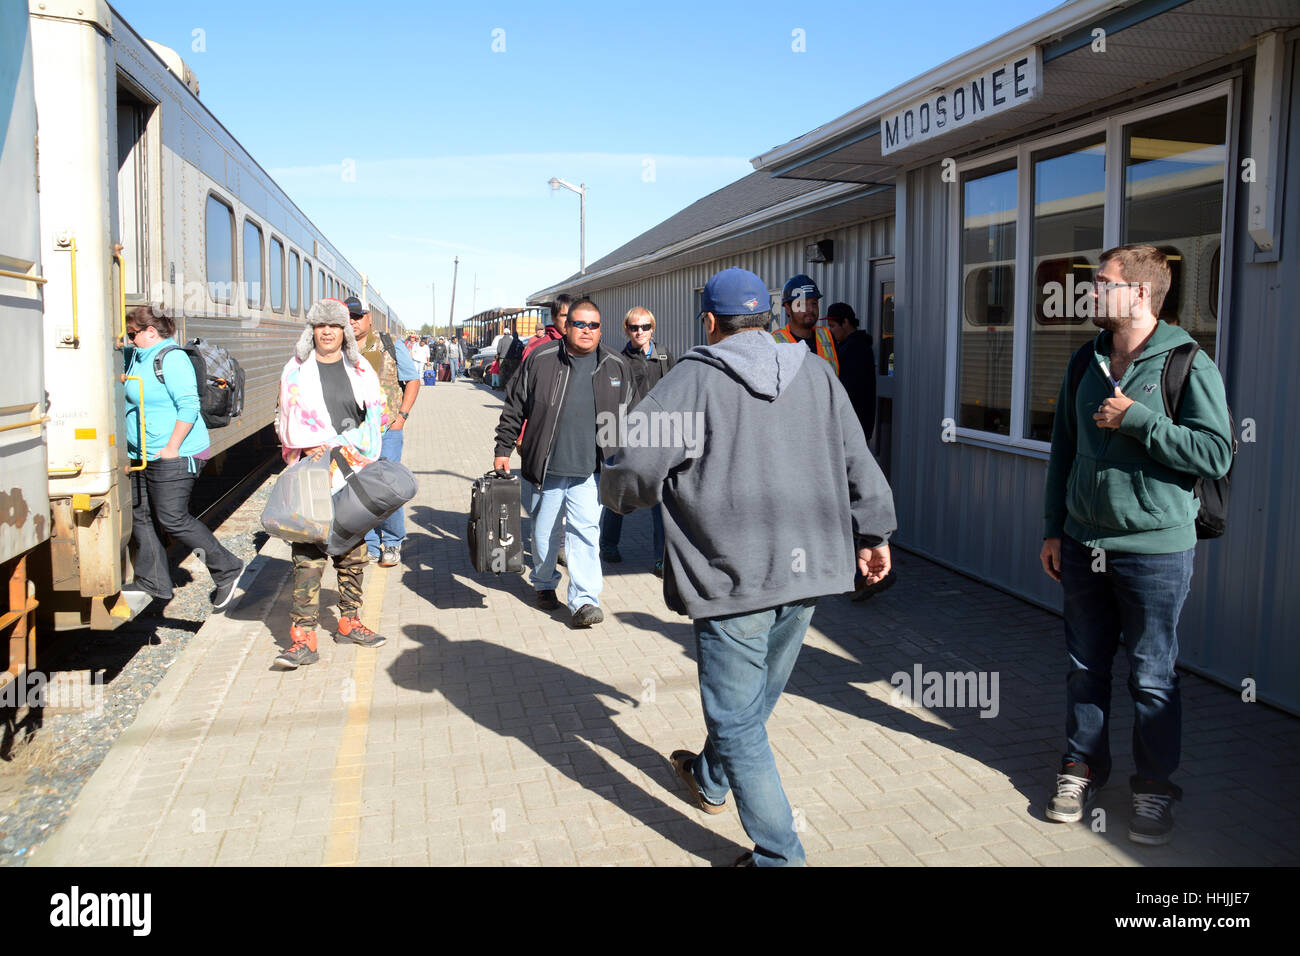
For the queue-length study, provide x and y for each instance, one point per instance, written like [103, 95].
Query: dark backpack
[1212, 517]
[516, 350]
[220, 380]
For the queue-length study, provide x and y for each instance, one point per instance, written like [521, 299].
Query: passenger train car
[144, 197]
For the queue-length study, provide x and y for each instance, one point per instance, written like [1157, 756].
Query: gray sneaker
[390, 557]
[1153, 815]
[1075, 791]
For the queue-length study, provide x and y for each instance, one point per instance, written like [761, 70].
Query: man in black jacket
[648, 364]
[570, 392]
[857, 363]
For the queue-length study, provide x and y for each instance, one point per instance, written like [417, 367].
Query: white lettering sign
[991, 91]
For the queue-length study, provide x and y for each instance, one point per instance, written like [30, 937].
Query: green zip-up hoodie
[1130, 490]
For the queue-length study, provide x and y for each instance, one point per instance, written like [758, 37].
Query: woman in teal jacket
[174, 450]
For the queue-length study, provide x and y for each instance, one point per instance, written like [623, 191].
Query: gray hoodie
[761, 507]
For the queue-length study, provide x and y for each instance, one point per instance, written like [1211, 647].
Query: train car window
[1174, 173]
[294, 272]
[322, 294]
[988, 292]
[275, 274]
[306, 284]
[219, 253]
[253, 263]
[1066, 230]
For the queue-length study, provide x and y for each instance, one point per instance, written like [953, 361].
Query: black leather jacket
[536, 394]
[646, 372]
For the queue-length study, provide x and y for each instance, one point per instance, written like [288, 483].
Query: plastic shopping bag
[300, 508]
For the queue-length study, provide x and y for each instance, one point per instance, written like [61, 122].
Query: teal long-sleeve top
[175, 399]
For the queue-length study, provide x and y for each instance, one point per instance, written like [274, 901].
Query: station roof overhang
[1148, 43]
[828, 207]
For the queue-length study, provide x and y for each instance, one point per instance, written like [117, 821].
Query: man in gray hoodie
[745, 556]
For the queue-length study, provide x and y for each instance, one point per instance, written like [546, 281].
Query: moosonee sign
[992, 90]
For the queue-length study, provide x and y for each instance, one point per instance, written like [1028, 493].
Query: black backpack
[219, 376]
[1212, 517]
[516, 351]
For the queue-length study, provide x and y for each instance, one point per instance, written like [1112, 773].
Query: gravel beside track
[46, 772]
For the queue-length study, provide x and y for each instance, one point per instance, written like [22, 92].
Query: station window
[1030, 226]
[988, 253]
[219, 251]
[253, 263]
[293, 282]
[275, 268]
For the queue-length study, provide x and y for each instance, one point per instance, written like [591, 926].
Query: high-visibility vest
[821, 338]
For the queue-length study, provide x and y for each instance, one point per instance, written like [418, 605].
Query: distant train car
[145, 197]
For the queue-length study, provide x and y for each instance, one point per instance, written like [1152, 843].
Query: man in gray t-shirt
[571, 392]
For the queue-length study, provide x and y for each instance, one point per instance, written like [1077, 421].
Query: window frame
[272, 240]
[294, 268]
[1112, 230]
[213, 195]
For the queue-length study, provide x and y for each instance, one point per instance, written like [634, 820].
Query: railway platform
[486, 731]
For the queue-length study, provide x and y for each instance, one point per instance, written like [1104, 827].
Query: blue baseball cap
[735, 291]
[801, 286]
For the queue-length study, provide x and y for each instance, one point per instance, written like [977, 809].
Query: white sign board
[991, 91]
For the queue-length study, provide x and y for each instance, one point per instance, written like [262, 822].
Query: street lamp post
[581, 190]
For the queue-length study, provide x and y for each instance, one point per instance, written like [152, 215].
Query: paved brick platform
[487, 731]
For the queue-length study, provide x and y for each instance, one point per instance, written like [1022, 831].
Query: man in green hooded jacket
[1120, 535]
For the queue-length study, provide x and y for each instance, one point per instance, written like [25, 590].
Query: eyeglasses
[579, 324]
[640, 328]
[132, 334]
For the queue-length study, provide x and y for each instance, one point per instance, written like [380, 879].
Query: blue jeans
[611, 530]
[392, 532]
[568, 509]
[455, 365]
[1140, 596]
[160, 495]
[744, 662]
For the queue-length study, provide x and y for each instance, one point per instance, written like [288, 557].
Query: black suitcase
[494, 533]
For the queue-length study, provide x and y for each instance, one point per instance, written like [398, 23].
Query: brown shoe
[682, 761]
[301, 651]
[548, 600]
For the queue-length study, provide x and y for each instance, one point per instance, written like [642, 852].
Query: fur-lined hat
[328, 312]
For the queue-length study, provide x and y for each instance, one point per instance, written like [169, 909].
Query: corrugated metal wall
[672, 297]
[979, 510]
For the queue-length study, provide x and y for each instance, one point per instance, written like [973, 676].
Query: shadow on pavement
[557, 713]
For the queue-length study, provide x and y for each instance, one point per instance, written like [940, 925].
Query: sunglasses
[579, 324]
[640, 328]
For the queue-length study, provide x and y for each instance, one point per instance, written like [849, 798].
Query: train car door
[881, 330]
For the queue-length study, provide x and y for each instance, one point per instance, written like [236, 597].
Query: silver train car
[144, 197]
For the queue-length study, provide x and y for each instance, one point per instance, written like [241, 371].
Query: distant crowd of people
[774, 501]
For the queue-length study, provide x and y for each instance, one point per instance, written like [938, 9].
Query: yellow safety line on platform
[349, 765]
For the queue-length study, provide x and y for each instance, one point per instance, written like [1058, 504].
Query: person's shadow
[558, 714]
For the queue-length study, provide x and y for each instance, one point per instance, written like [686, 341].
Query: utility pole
[473, 299]
[455, 269]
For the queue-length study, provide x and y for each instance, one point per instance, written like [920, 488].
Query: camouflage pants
[308, 569]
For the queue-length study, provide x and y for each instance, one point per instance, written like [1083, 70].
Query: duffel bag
[370, 496]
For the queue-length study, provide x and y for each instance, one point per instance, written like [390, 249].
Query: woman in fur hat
[329, 399]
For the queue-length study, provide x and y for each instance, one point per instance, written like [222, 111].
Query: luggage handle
[504, 537]
[336, 456]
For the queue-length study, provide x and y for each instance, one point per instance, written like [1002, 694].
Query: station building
[962, 215]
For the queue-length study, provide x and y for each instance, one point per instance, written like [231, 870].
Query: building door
[881, 329]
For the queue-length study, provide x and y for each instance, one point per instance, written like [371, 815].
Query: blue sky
[450, 143]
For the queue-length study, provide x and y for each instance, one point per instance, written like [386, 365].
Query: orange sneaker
[351, 629]
[301, 651]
